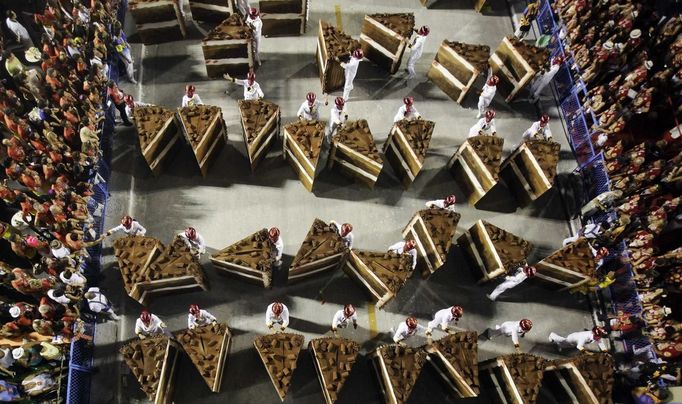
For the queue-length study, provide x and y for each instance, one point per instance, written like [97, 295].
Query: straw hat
[635, 33]
[32, 55]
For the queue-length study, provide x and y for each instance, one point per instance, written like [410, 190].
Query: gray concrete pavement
[232, 202]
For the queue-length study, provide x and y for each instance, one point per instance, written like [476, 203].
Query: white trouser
[570, 240]
[560, 341]
[434, 324]
[331, 129]
[483, 103]
[256, 47]
[346, 89]
[411, 62]
[502, 287]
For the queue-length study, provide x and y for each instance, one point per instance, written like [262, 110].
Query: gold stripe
[339, 21]
[372, 314]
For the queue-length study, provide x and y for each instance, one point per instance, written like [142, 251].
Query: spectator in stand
[117, 98]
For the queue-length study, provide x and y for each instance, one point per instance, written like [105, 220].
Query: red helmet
[346, 228]
[273, 234]
[411, 323]
[194, 309]
[450, 200]
[277, 308]
[525, 325]
[190, 89]
[457, 311]
[557, 60]
[408, 101]
[310, 97]
[409, 245]
[348, 310]
[602, 252]
[146, 317]
[530, 271]
[129, 99]
[191, 233]
[544, 119]
[358, 54]
[127, 221]
[254, 12]
[493, 80]
[598, 332]
[423, 30]
[340, 102]
[489, 115]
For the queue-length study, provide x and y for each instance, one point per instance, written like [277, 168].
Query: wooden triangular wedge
[157, 132]
[402, 24]
[134, 255]
[546, 154]
[207, 347]
[526, 372]
[511, 249]
[204, 128]
[570, 266]
[322, 250]
[406, 148]
[588, 377]
[383, 274]
[455, 357]
[398, 368]
[354, 151]
[260, 122]
[249, 258]
[152, 362]
[433, 230]
[489, 151]
[334, 359]
[302, 146]
[279, 353]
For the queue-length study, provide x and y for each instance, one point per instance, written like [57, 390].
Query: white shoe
[489, 297]
[478, 115]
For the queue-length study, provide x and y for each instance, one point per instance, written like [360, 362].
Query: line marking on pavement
[123, 153]
[141, 75]
[339, 20]
[372, 314]
[203, 31]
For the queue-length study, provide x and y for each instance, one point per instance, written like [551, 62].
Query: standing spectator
[117, 98]
[19, 31]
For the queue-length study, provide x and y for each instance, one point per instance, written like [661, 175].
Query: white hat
[648, 64]
[635, 33]
[608, 45]
[14, 311]
[32, 55]
[17, 353]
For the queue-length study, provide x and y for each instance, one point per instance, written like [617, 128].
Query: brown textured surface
[175, 260]
[145, 359]
[576, 256]
[403, 365]
[477, 55]
[308, 135]
[321, 242]
[511, 249]
[526, 371]
[537, 58]
[132, 253]
[338, 44]
[197, 120]
[148, 121]
[234, 27]
[335, 358]
[402, 24]
[461, 351]
[255, 114]
[441, 225]
[357, 136]
[254, 251]
[546, 153]
[597, 370]
[279, 353]
[202, 345]
[489, 150]
[418, 133]
[393, 269]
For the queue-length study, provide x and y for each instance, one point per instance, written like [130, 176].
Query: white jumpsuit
[350, 70]
[347, 239]
[251, 92]
[543, 81]
[488, 128]
[590, 230]
[309, 113]
[336, 118]
[536, 132]
[576, 340]
[190, 102]
[279, 249]
[486, 97]
[156, 327]
[442, 318]
[508, 328]
[509, 282]
[399, 248]
[136, 229]
[417, 50]
[205, 318]
[257, 27]
[401, 114]
[403, 332]
[440, 203]
[341, 321]
[271, 318]
[197, 244]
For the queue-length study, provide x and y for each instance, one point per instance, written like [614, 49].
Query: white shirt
[8, 360]
[582, 338]
[76, 279]
[191, 101]
[252, 92]
[99, 303]
[400, 115]
[418, 47]
[488, 92]
[60, 252]
[340, 319]
[205, 318]
[256, 25]
[403, 332]
[61, 299]
[511, 329]
[310, 113]
[18, 30]
[443, 318]
[135, 229]
[440, 203]
[155, 327]
[337, 117]
[279, 248]
[196, 244]
[537, 132]
[350, 69]
[399, 249]
[488, 128]
[271, 318]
